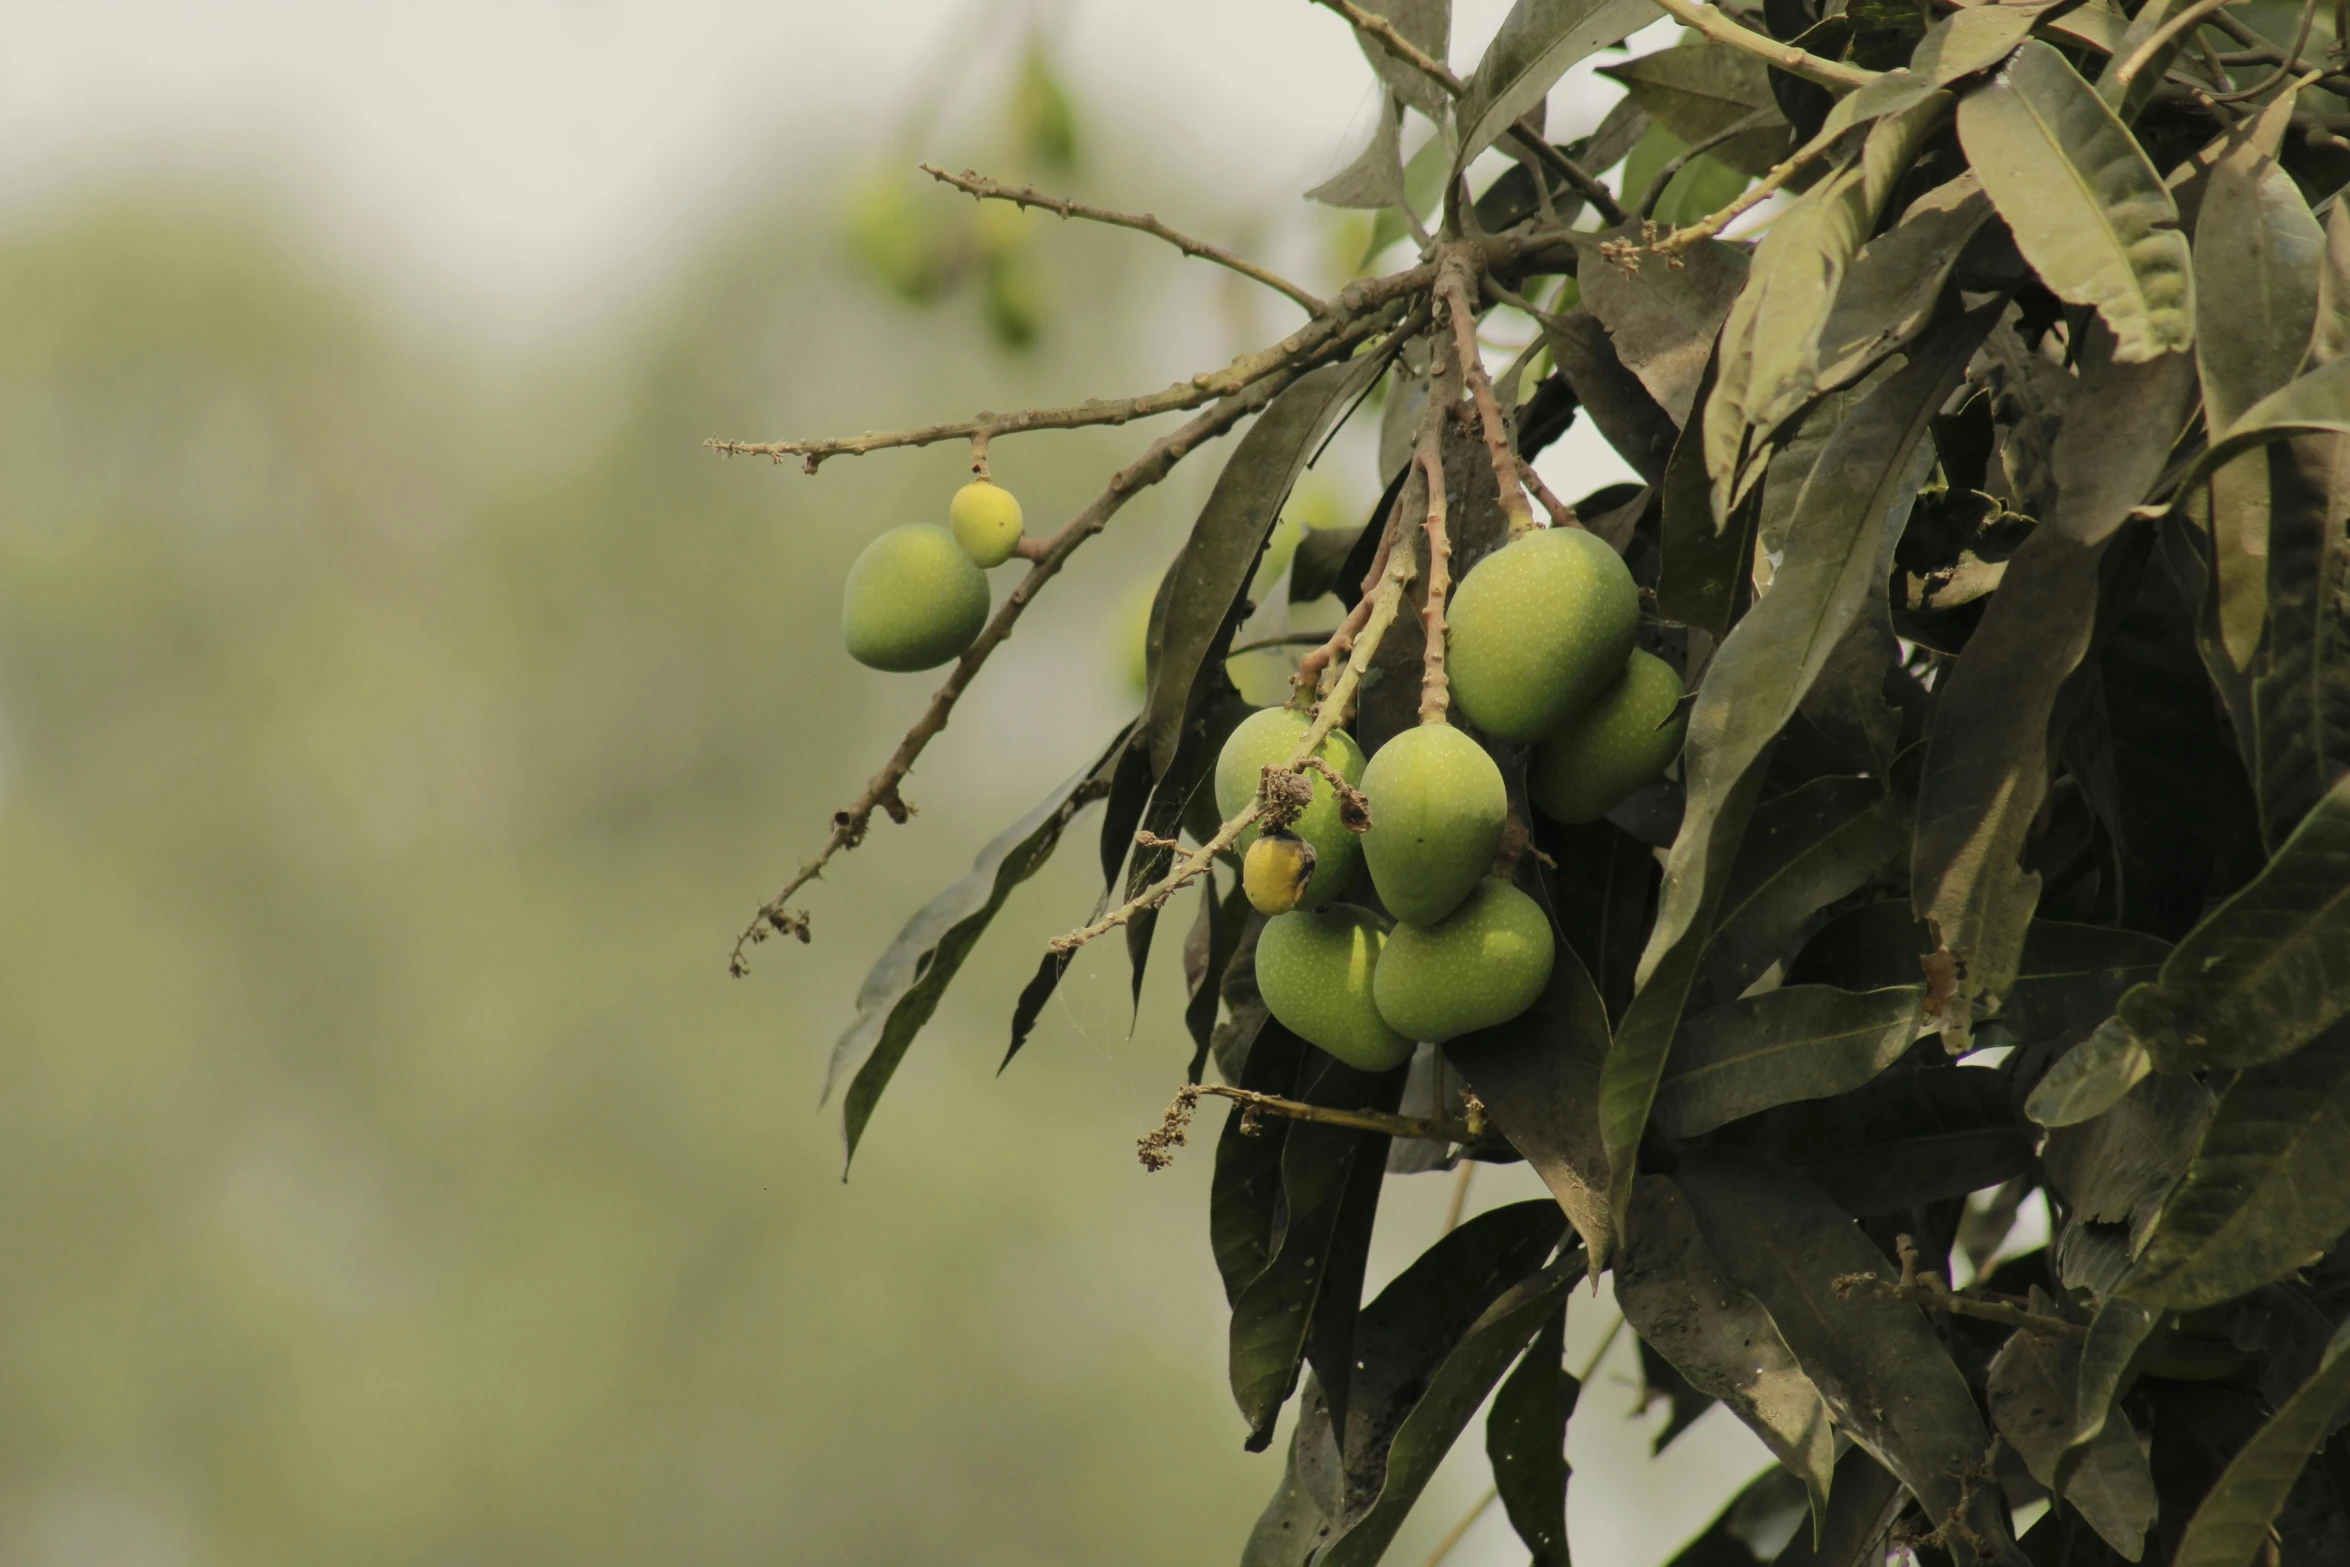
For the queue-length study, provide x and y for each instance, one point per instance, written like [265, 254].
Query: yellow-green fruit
[1539, 628]
[1269, 737]
[1437, 809]
[985, 518]
[1316, 972]
[913, 600]
[1483, 964]
[1612, 747]
[1276, 871]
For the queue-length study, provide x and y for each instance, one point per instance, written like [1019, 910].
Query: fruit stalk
[1456, 288]
[1155, 1148]
[1444, 394]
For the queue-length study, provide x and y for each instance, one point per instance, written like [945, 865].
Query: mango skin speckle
[1480, 966]
[1316, 971]
[1269, 737]
[1621, 741]
[913, 600]
[1438, 806]
[1538, 629]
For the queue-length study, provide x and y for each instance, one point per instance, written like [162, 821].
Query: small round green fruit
[1276, 871]
[1621, 741]
[1269, 737]
[985, 518]
[1316, 972]
[913, 600]
[1481, 965]
[1538, 629]
[1438, 806]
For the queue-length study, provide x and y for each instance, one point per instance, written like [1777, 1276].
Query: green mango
[1538, 629]
[1612, 747]
[1481, 965]
[1269, 737]
[1438, 806]
[1315, 971]
[985, 519]
[913, 600]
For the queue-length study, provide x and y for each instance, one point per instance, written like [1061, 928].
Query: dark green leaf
[2120, 423]
[1803, 851]
[1856, 499]
[2232, 1524]
[2087, 209]
[1207, 953]
[1896, 280]
[1879, 1365]
[1797, 1042]
[2070, 976]
[1705, 570]
[1862, 1506]
[1864, 948]
[2091, 1078]
[1718, 1336]
[1375, 176]
[1699, 89]
[1536, 44]
[1987, 764]
[1604, 892]
[1538, 1075]
[1764, 1514]
[2266, 970]
[1640, 430]
[1976, 39]
[1526, 1442]
[2264, 1194]
[1912, 1136]
[1662, 320]
[2118, 1337]
[1427, 26]
[2301, 691]
[903, 988]
[2117, 1168]
[2030, 1391]
[1244, 1199]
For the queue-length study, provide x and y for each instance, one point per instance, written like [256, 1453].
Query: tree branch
[1455, 288]
[975, 184]
[1156, 1148]
[1928, 1290]
[1645, 207]
[1723, 29]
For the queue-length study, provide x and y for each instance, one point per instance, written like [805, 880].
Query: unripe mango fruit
[1612, 747]
[1538, 629]
[985, 518]
[1276, 872]
[1269, 737]
[913, 600]
[1316, 972]
[1437, 810]
[1483, 964]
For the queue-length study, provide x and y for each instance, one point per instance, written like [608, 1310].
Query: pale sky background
[512, 167]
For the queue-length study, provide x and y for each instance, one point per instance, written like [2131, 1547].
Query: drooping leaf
[2087, 209]
[1536, 44]
[1427, 26]
[1538, 1075]
[1526, 1442]
[1604, 895]
[1881, 1368]
[1911, 1136]
[2301, 691]
[2119, 1167]
[2070, 976]
[1373, 178]
[1718, 1336]
[1865, 482]
[1973, 40]
[2120, 423]
[1700, 89]
[1803, 851]
[1662, 320]
[1767, 1510]
[903, 988]
[2232, 1523]
[1640, 430]
[2091, 1078]
[2118, 1337]
[2030, 1391]
[1796, 1042]
[1862, 1506]
[1215, 938]
[2266, 970]
[1244, 1198]
[1986, 766]
[1312, 1278]
[2264, 1192]
[1895, 281]
[1705, 570]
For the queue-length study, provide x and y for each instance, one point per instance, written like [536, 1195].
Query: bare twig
[2254, 44]
[2126, 71]
[1155, 1148]
[973, 183]
[1455, 287]
[1928, 1290]
[1645, 207]
[1753, 196]
[1307, 682]
[1381, 31]
[1723, 29]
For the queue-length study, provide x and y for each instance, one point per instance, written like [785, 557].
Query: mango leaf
[1526, 1442]
[1699, 89]
[2301, 690]
[1895, 281]
[1856, 500]
[2332, 340]
[2120, 423]
[1882, 1369]
[1603, 895]
[2232, 1524]
[1640, 430]
[1975, 39]
[2070, 976]
[1207, 954]
[1662, 320]
[2118, 1338]
[1244, 1198]
[2264, 1194]
[2314, 403]
[1312, 1280]
[1536, 45]
[1986, 768]
[1373, 178]
[2030, 1392]
[2119, 1167]
[903, 988]
[2090, 1078]
[1862, 1506]
[1705, 570]
[1538, 1075]
[1912, 1136]
[1796, 1042]
[1718, 1337]
[1427, 26]
[2087, 209]
[2265, 971]
[1803, 851]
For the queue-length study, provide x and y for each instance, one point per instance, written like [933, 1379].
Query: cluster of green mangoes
[1540, 654]
[917, 595]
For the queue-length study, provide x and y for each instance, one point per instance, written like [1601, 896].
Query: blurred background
[400, 710]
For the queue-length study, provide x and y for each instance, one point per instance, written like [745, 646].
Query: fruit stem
[1435, 687]
[1455, 287]
[979, 456]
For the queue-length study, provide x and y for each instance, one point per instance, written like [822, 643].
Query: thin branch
[1155, 1148]
[1381, 31]
[881, 790]
[1307, 682]
[1455, 287]
[1723, 29]
[971, 182]
[2126, 71]
[1917, 1287]
[1646, 206]
[1706, 228]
